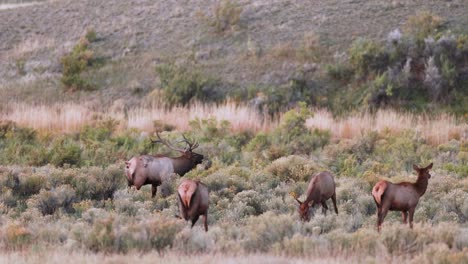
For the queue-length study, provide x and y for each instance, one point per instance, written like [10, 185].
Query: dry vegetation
[274, 91]
[70, 117]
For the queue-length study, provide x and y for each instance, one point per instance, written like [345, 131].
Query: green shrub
[91, 35]
[367, 56]
[182, 84]
[339, 71]
[245, 203]
[102, 236]
[423, 25]
[30, 185]
[74, 64]
[65, 151]
[262, 232]
[295, 168]
[157, 234]
[48, 202]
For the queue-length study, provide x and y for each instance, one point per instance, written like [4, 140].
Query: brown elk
[193, 201]
[402, 196]
[156, 169]
[321, 188]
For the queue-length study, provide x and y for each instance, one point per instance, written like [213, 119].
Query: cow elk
[321, 188]
[193, 201]
[156, 169]
[403, 197]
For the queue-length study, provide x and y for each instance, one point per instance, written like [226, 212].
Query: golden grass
[153, 257]
[241, 117]
[436, 129]
[70, 117]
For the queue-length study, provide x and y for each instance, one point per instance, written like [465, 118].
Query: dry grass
[31, 45]
[19, 4]
[82, 257]
[66, 118]
[72, 117]
[435, 129]
[241, 117]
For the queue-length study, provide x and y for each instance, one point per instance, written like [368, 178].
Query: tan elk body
[402, 196]
[193, 201]
[321, 188]
[156, 169]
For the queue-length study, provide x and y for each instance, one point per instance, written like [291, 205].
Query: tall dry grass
[436, 129]
[70, 117]
[71, 257]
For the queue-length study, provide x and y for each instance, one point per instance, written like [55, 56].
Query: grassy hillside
[243, 46]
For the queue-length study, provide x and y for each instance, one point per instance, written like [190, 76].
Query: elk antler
[166, 143]
[191, 146]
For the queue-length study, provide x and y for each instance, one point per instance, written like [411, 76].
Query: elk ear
[416, 168]
[298, 201]
[429, 167]
[294, 195]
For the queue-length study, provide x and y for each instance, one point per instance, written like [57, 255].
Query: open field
[272, 91]
[81, 205]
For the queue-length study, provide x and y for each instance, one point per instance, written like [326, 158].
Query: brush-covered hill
[233, 45]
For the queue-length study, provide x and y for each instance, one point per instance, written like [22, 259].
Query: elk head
[423, 172]
[303, 208]
[187, 152]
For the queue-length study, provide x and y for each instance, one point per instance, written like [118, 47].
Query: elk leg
[324, 208]
[334, 202]
[129, 186]
[383, 213]
[194, 220]
[411, 213]
[153, 190]
[205, 221]
[404, 214]
[379, 214]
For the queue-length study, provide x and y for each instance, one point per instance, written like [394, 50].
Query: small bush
[226, 15]
[102, 237]
[294, 168]
[245, 203]
[17, 237]
[48, 202]
[368, 56]
[74, 64]
[65, 151]
[423, 25]
[192, 241]
[301, 246]
[182, 84]
[263, 231]
[339, 72]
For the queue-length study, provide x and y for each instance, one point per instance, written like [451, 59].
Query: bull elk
[155, 169]
[321, 188]
[402, 196]
[193, 201]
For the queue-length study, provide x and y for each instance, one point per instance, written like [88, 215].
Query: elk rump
[193, 198]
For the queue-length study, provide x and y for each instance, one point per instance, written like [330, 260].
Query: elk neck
[182, 165]
[421, 184]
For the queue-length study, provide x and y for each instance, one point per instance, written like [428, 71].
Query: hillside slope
[133, 36]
